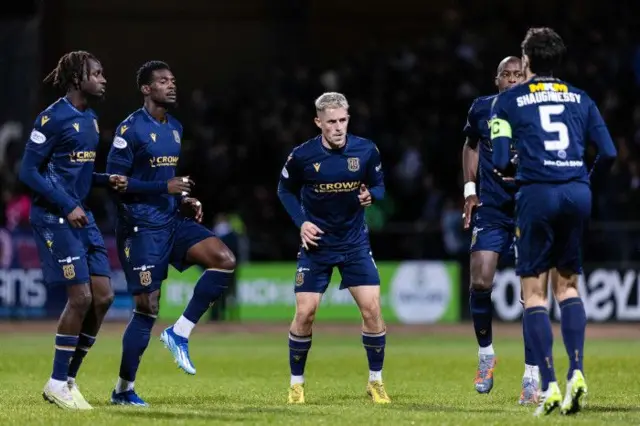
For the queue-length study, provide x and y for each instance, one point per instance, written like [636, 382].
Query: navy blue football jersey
[550, 122]
[59, 157]
[325, 185]
[494, 191]
[147, 150]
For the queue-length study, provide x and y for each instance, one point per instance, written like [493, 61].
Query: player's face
[163, 89]
[95, 84]
[333, 124]
[509, 75]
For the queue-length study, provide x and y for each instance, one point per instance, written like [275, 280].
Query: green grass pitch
[243, 379]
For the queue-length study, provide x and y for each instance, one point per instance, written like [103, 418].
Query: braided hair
[72, 65]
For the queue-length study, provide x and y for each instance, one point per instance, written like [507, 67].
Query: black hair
[71, 66]
[545, 50]
[143, 76]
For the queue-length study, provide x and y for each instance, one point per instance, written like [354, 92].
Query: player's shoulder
[360, 143]
[307, 148]
[174, 122]
[55, 114]
[482, 104]
[132, 124]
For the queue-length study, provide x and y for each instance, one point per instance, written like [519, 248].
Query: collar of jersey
[335, 151]
[68, 102]
[153, 119]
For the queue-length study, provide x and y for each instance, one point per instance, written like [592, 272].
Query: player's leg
[196, 245]
[536, 207]
[101, 300]
[311, 281]
[360, 275]
[63, 260]
[134, 343]
[530, 392]
[565, 287]
[144, 259]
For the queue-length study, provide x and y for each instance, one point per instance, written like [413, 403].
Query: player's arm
[120, 162]
[375, 176]
[599, 134]
[289, 187]
[39, 147]
[470, 160]
[501, 135]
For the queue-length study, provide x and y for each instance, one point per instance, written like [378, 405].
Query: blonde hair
[331, 100]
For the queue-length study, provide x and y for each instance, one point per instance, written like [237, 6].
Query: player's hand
[77, 218]
[470, 203]
[180, 185]
[118, 183]
[365, 196]
[195, 206]
[310, 233]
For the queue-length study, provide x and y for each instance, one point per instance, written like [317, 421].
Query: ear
[145, 89]
[495, 81]
[318, 122]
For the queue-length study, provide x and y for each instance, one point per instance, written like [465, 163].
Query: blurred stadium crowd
[412, 100]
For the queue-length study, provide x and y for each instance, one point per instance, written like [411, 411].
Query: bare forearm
[470, 158]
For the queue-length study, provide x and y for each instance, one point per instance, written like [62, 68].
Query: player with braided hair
[58, 165]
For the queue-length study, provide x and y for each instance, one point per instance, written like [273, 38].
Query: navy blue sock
[134, 342]
[482, 313]
[299, 347]
[209, 288]
[573, 324]
[65, 348]
[374, 345]
[529, 358]
[85, 342]
[538, 326]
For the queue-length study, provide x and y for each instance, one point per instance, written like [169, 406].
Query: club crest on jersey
[153, 136]
[176, 136]
[353, 164]
[95, 123]
[145, 278]
[69, 271]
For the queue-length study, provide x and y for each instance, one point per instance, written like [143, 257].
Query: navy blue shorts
[493, 230]
[145, 254]
[68, 255]
[551, 221]
[315, 269]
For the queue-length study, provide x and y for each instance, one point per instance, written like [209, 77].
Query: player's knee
[222, 258]
[305, 315]
[103, 302]
[371, 315]
[481, 276]
[80, 301]
[565, 285]
[148, 303]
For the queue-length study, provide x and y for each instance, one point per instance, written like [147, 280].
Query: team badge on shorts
[176, 136]
[299, 278]
[69, 271]
[474, 235]
[145, 278]
[353, 164]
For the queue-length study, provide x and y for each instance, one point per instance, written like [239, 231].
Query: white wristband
[469, 189]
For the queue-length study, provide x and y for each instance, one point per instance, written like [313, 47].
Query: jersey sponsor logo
[176, 136]
[119, 142]
[37, 137]
[82, 156]
[44, 120]
[164, 161]
[548, 87]
[337, 187]
[353, 164]
[564, 163]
